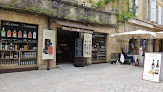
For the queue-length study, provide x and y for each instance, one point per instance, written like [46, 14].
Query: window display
[16, 44]
[98, 47]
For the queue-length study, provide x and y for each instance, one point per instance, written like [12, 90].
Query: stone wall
[65, 9]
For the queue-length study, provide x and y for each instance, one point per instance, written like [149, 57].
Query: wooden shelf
[28, 58]
[98, 50]
[18, 50]
[8, 58]
[101, 55]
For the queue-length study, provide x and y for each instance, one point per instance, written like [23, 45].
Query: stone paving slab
[67, 78]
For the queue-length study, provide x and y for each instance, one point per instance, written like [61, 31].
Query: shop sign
[87, 45]
[152, 67]
[78, 47]
[48, 44]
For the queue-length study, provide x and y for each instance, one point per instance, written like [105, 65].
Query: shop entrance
[65, 46]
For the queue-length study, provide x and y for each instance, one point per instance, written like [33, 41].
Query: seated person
[127, 57]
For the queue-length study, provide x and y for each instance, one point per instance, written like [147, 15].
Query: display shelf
[28, 58]
[8, 58]
[18, 50]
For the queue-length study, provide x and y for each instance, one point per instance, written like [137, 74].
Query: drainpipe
[48, 61]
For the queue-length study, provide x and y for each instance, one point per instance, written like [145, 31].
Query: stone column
[149, 45]
[107, 47]
[156, 45]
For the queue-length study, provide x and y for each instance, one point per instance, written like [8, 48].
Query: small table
[135, 57]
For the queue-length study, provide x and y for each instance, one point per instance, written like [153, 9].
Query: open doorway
[65, 46]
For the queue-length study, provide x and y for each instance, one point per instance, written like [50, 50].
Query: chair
[127, 61]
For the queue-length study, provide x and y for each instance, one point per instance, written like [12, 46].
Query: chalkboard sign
[78, 47]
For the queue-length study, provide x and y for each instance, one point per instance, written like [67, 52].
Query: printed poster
[48, 44]
[87, 45]
[152, 66]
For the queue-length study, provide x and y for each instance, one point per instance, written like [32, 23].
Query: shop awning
[74, 26]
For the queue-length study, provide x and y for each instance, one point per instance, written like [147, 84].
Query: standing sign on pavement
[152, 67]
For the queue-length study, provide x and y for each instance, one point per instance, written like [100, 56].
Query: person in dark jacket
[127, 57]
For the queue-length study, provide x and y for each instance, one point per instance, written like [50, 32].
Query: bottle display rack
[98, 55]
[18, 43]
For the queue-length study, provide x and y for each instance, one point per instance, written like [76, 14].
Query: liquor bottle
[9, 33]
[0, 46]
[34, 35]
[152, 66]
[14, 34]
[157, 68]
[50, 49]
[29, 35]
[6, 46]
[3, 32]
[25, 34]
[19, 34]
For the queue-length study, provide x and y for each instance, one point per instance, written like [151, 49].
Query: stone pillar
[141, 9]
[89, 61]
[149, 46]
[156, 45]
[107, 47]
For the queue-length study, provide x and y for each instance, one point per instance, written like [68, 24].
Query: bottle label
[3, 34]
[25, 36]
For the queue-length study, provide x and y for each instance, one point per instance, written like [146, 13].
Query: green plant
[68, 17]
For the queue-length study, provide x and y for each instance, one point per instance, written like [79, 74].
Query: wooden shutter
[137, 4]
[153, 10]
[159, 15]
[146, 9]
[131, 4]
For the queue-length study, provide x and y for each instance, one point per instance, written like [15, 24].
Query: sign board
[78, 47]
[152, 66]
[87, 45]
[48, 44]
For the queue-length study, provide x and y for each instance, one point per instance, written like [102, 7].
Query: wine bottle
[157, 68]
[3, 32]
[9, 34]
[34, 35]
[19, 34]
[14, 34]
[50, 49]
[152, 66]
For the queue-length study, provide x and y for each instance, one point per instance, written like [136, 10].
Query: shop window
[18, 43]
[98, 47]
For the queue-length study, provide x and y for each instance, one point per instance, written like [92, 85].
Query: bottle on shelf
[6, 46]
[25, 36]
[34, 35]
[9, 34]
[3, 32]
[0, 46]
[14, 34]
[29, 36]
[19, 34]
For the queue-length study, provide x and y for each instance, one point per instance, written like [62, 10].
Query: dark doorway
[65, 46]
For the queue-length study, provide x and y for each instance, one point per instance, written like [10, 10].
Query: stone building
[70, 19]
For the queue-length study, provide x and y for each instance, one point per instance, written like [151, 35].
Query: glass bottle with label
[157, 68]
[3, 32]
[25, 35]
[152, 66]
[19, 34]
[50, 49]
[29, 36]
[34, 35]
[14, 34]
[9, 33]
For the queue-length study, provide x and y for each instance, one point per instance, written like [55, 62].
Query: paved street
[67, 78]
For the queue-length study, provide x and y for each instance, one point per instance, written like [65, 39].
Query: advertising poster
[87, 45]
[48, 44]
[78, 47]
[152, 66]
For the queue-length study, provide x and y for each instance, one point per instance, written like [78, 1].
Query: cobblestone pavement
[93, 78]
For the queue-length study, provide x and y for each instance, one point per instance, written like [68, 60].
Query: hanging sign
[48, 44]
[87, 45]
[152, 66]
